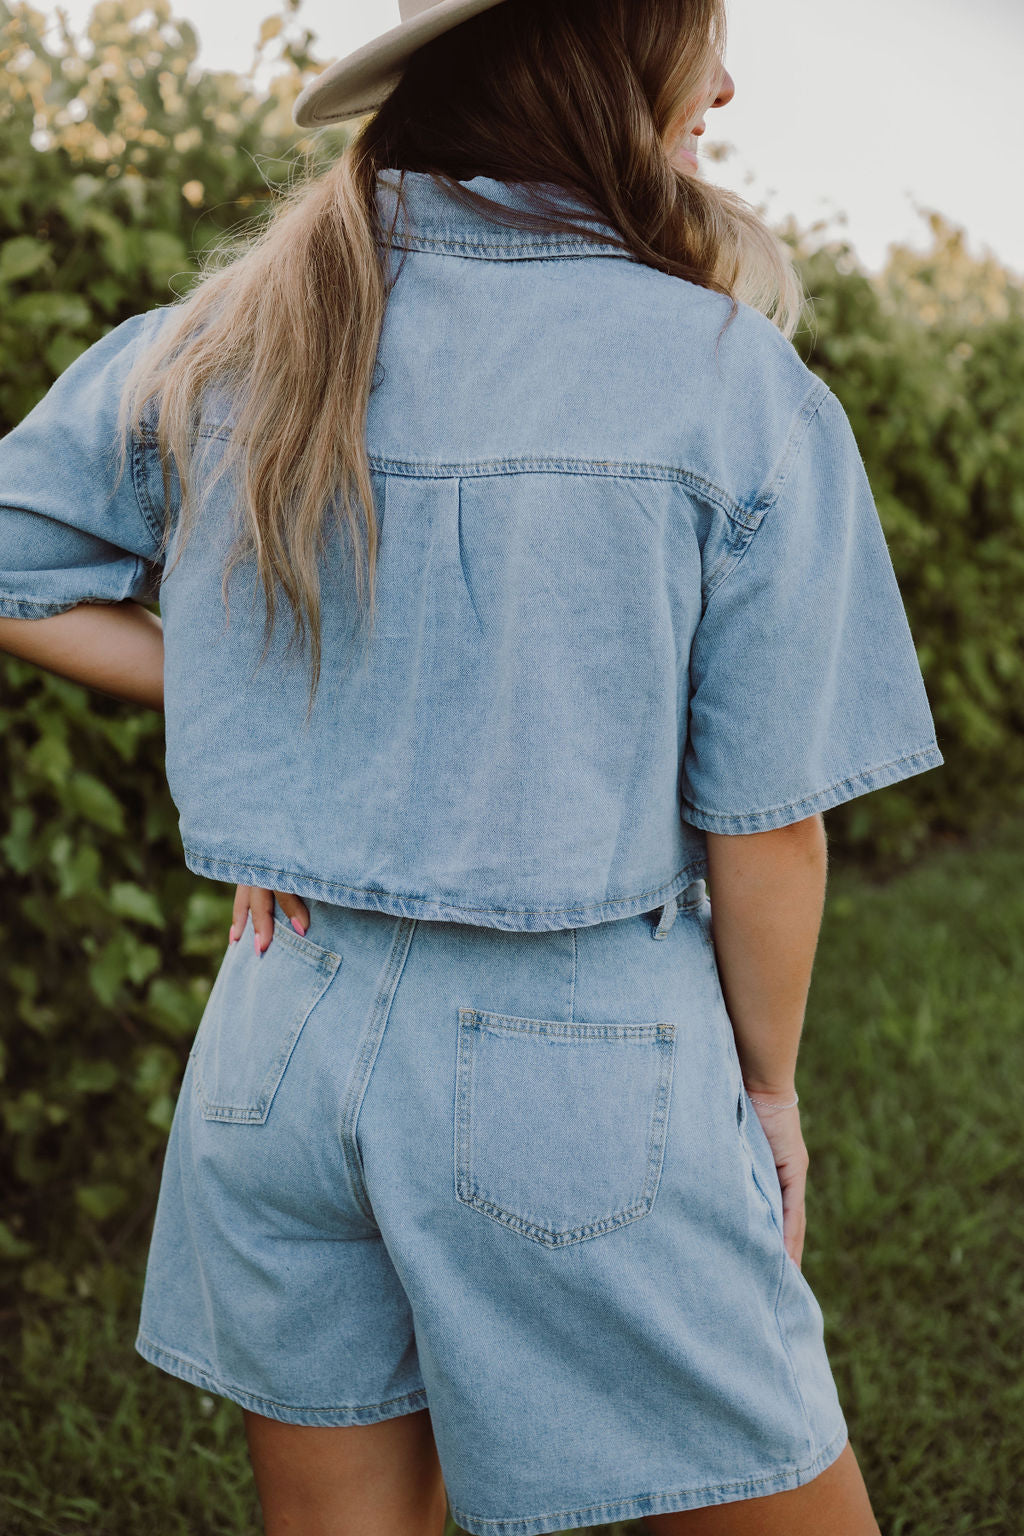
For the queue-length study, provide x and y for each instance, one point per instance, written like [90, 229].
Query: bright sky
[865, 109]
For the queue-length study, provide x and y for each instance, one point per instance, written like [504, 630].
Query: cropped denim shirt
[631, 588]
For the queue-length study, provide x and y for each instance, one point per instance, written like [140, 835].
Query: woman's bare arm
[117, 648]
[768, 898]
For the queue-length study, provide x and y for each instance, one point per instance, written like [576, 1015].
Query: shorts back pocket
[252, 1020]
[560, 1126]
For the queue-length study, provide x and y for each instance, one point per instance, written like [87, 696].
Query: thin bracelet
[772, 1104]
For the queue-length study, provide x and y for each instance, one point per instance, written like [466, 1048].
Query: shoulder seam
[141, 488]
[809, 407]
[141, 447]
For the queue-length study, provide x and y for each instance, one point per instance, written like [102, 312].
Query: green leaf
[25, 978]
[123, 958]
[25, 1114]
[43, 1278]
[18, 843]
[107, 292]
[22, 256]
[144, 960]
[41, 310]
[161, 1112]
[62, 350]
[207, 920]
[101, 1200]
[175, 1006]
[109, 970]
[92, 799]
[164, 255]
[51, 759]
[157, 1070]
[84, 186]
[116, 242]
[92, 1077]
[11, 1246]
[130, 900]
[79, 868]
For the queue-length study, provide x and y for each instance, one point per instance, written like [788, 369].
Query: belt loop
[668, 917]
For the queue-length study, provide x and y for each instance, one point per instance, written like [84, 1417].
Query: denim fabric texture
[513, 1178]
[632, 587]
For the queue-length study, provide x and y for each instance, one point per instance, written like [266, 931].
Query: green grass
[909, 1076]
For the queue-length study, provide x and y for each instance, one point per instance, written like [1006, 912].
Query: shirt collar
[437, 221]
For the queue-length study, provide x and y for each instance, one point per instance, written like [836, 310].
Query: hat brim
[360, 81]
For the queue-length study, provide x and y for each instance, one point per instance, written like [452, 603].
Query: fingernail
[232, 935]
[256, 942]
[298, 926]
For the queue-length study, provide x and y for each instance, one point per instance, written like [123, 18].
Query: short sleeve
[67, 535]
[805, 687]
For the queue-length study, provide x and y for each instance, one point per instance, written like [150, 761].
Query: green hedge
[929, 363]
[109, 943]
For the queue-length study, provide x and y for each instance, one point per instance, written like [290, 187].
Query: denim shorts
[512, 1178]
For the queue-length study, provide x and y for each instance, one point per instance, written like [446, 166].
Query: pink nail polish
[256, 943]
[298, 928]
[232, 935]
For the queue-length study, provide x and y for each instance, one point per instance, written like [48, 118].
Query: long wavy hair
[584, 94]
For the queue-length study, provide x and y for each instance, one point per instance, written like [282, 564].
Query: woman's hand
[252, 898]
[782, 1128]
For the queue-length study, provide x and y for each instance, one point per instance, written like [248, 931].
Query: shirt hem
[239, 871]
[822, 800]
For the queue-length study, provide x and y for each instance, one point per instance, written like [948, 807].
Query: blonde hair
[583, 94]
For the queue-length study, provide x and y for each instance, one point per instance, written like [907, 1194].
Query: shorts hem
[665, 1503]
[287, 1413]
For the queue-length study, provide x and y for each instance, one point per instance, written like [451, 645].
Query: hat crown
[362, 80]
[407, 9]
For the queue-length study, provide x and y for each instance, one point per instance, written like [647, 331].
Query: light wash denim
[632, 587]
[513, 1178]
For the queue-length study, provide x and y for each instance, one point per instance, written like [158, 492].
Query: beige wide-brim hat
[359, 82]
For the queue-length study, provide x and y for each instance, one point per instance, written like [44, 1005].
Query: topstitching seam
[792, 805]
[589, 1509]
[614, 901]
[212, 1375]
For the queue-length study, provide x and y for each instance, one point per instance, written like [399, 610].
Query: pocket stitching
[325, 964]
[660, 1034]
[316, 954]
[512, 1024]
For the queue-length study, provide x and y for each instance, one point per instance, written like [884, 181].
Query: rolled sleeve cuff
[130, 577]
[861, 783]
